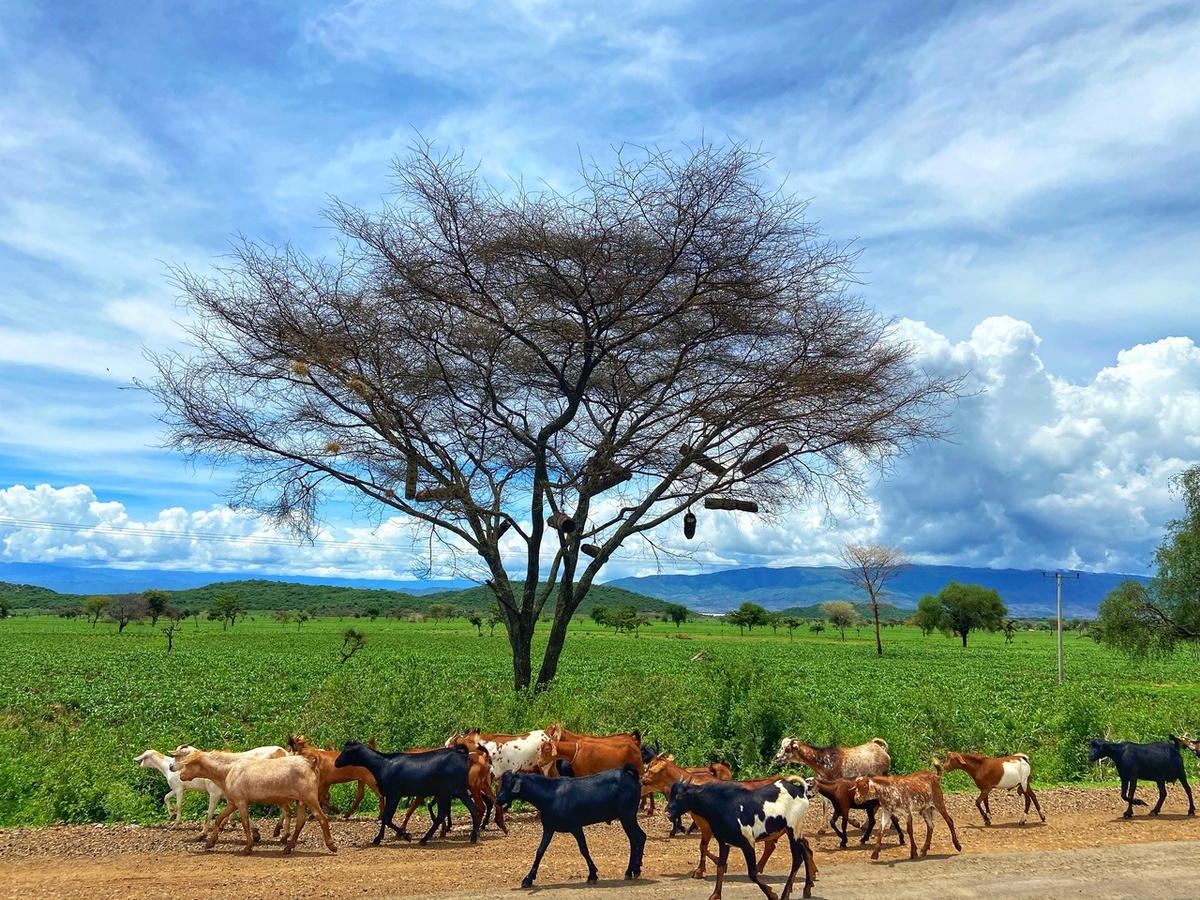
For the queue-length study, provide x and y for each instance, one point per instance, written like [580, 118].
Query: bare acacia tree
[870, 567]
[538, 379]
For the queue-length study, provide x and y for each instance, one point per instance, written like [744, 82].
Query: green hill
[257, 594]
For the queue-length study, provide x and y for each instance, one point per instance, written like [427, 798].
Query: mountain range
[1026, 592]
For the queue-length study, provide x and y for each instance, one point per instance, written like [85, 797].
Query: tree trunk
[554, 647]
[878, 642]
[520, 638]
[964, 637]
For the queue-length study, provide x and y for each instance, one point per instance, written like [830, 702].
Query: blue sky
[1023, 180]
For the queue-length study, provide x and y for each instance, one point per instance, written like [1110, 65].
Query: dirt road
[1084, 849]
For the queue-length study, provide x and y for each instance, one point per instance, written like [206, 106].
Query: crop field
[77, 703]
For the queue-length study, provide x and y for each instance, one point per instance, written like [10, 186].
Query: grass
[78, 703]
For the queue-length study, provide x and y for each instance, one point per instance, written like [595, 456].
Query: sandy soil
[1084, 849]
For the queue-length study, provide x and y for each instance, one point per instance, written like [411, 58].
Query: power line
[105, 530]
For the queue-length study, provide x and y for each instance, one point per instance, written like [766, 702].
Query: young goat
[278, 782]
[840, 794]
[442, 774]
[152, 759]
[871, 758]
[569, 804]
[1159, 762]
[740, 816]
[996, 773]
[902, 796]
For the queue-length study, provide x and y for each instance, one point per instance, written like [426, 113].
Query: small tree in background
[126, 608]
[172, 615]
[94, 607]
[791, 623]
[963, 608]
[156, 602]
[352, 641]
[817, 627]
[870, 567]
[841, 615]
[476, 620]
[5, 608]
[677, 613]
[226, 607]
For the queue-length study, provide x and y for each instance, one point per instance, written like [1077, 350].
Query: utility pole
[1058, 579]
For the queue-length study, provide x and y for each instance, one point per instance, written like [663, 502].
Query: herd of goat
[575, 780]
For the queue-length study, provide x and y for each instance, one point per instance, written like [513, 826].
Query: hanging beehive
[435, 493]
[562, 523]
[730, 503]
[704, 462]
[689, 525]
[764, 459]
[590, 549]
[599, 476]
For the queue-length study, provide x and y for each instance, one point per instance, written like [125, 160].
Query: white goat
[152, 759]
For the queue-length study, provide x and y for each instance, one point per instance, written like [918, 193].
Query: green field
[77, 702]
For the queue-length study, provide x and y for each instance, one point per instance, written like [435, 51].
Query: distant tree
[791, 623]
[95, 606]
[282, 616]
[1010, 630]
[125, 608]
[476, 620]
[226, 606]
[677, 613]
[352, 641]
[156, 602]
[928, 616]
[841, 615]
[817, 627]
[747, 616]
[5, 608]
[372, 612]
[495, 617]
[600, 615]
[774, 620]
[1151, 620]
[962, 608]
[172, 615]
[70, 612]
[870, 567]
[439, 611]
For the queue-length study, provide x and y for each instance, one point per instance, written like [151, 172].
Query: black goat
[441, 774]
[1159, 762]
[840, 794]
[740, 816]
[568, 804]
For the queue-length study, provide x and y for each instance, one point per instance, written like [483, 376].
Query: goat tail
[881, 742]
[937, 767]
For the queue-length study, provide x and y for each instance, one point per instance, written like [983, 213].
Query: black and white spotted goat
[740, 816]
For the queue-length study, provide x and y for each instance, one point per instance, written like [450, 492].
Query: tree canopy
[538, 380]
[960, 609]
[841, 614]
[1147, 620]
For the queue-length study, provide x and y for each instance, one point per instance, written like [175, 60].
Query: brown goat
[871, 758]
[996, 772]
[662, 772]
[591, 755]
[331, 774]
[900, 796]
[840, 794]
